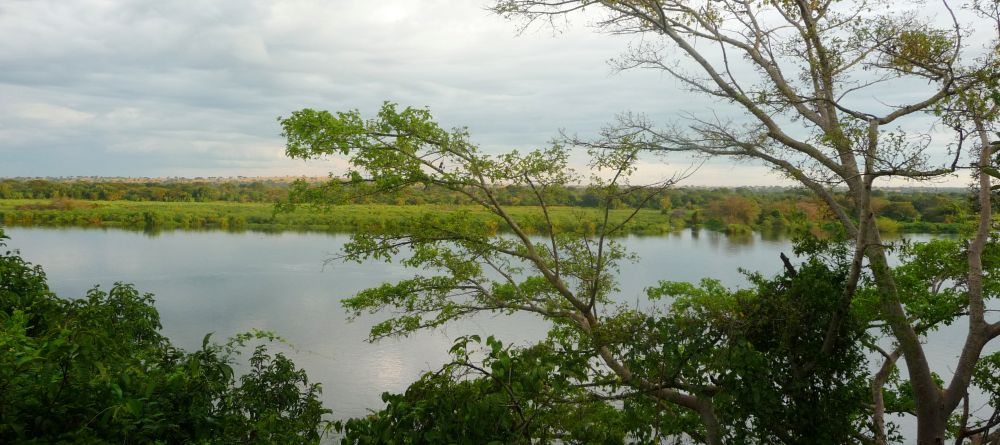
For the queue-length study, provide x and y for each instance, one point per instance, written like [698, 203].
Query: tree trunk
[931, 417]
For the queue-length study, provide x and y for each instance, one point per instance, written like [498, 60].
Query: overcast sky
[193, 88]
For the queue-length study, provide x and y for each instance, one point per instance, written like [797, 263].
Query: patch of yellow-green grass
[259, 216]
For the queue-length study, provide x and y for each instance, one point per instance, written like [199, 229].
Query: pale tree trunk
[926, 393]
[933, 404]
[878, 383]
[980, 331]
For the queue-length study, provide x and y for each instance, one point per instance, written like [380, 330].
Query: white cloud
[51, 115]
[144, 87]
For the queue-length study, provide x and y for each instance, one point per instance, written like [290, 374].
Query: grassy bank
[260, 216]
[157, 216]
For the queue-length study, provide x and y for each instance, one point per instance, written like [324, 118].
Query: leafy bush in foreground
[97, 370]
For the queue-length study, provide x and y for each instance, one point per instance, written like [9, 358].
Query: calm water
[232, 282]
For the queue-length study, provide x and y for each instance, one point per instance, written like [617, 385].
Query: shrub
[97, 370]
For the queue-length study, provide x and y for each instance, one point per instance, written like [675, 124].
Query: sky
[194, 88]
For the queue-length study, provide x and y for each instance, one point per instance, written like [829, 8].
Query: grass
[262, 217]
[233, 216]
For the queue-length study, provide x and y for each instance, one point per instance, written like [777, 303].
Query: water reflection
[227, 282]
[773, 234]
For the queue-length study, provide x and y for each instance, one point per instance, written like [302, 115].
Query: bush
[97, 370]
[738, 229]
[886, 225]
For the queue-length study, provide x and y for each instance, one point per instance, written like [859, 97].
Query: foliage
[790, 73]
[761, 350]
[511, 395]
[153, 217]
[734, 210]
[97, 370]
[274, 403]
[784, 361]
[780, 209]
[177, 190]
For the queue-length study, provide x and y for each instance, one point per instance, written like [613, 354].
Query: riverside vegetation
[96, 370]
[808, 356]
[231, 205]
[781, 361]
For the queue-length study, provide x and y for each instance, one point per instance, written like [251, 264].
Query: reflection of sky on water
[230, 283]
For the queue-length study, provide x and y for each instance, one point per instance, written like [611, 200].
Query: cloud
[147, 87]
[50, 115]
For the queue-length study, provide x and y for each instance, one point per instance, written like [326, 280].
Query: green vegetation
[707, 335]
[180, 190]
[513, 395]
[96, 370]
[795, 358]
[145, 206]
[809, 356]
[154, 216]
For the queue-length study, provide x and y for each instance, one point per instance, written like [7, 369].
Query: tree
[801, 67]
[734, 209]
[901, 211]
[666, 204]
[701, 362]
[571, 273]
[510, 396]
[793, 69]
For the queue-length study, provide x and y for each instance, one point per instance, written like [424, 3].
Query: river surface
[228, 283]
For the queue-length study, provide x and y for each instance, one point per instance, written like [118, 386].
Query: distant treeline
[162, 191]
[733, 210]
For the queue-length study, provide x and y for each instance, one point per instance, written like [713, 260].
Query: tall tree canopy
[780, 362]
[696, 361]
[800, 73]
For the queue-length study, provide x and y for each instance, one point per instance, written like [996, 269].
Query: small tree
[700, 362]
[734, 209]
[901, 211]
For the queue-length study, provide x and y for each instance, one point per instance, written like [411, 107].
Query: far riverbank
[155, 216]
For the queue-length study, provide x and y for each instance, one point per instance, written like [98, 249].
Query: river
[228, 283]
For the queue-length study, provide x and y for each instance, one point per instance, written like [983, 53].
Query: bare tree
[802, 74]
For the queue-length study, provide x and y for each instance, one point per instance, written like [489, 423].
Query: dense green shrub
[97, 370]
